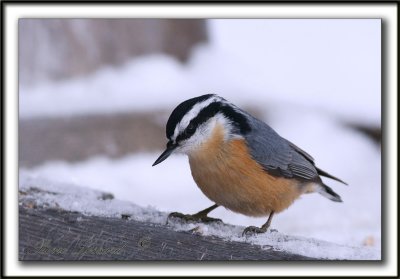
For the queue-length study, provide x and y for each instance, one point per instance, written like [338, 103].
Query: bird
[239, 162]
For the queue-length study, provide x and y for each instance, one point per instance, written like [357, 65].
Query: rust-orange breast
[226, 174]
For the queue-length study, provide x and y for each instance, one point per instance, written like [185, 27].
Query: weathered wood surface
[52, 234]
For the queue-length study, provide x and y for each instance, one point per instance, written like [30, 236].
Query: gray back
[277, 155]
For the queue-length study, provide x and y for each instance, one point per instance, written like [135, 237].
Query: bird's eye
[190, 129]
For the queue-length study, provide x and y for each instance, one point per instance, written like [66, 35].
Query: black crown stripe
[180, 111]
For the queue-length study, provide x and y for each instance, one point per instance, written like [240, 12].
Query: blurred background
[95, 95]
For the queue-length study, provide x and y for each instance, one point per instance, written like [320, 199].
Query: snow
[81, 199]
[329, 65]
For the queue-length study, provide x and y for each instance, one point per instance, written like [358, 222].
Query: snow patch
[74, 198]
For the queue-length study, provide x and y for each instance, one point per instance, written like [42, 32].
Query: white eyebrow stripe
[181, 126]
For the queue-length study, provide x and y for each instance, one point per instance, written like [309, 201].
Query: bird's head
[192, 122]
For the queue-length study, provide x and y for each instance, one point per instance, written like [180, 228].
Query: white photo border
[12, 11]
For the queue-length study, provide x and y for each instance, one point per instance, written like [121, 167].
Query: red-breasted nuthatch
[240, 162]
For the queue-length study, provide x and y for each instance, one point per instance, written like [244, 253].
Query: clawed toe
[253, 230]
[178, 215]
[207, 219]
[192, 218]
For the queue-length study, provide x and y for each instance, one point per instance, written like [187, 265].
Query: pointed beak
[170, 148]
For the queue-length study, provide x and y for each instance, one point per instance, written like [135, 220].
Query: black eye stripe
[205, 114]
[238, 120]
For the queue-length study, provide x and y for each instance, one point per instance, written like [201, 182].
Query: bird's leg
[263, 229]
[200, 216]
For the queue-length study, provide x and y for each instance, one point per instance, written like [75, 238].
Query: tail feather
[324, 173]
[327, 192]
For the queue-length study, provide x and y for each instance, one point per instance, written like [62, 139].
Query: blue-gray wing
[277, 155]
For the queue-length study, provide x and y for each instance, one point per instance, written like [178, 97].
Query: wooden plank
[53, 234]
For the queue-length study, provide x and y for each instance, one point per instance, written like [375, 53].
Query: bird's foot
[254, 230]
[193, 218]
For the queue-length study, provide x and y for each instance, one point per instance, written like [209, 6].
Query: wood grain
[58, 235]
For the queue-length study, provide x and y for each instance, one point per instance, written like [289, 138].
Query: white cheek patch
[182, 125]
[204, 133]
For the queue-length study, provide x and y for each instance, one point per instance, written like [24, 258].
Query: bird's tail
[324, 173]
[328, 193]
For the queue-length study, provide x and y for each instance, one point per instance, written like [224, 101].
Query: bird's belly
[231, 178]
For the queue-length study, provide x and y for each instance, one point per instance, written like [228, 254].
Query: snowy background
[311, 80]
